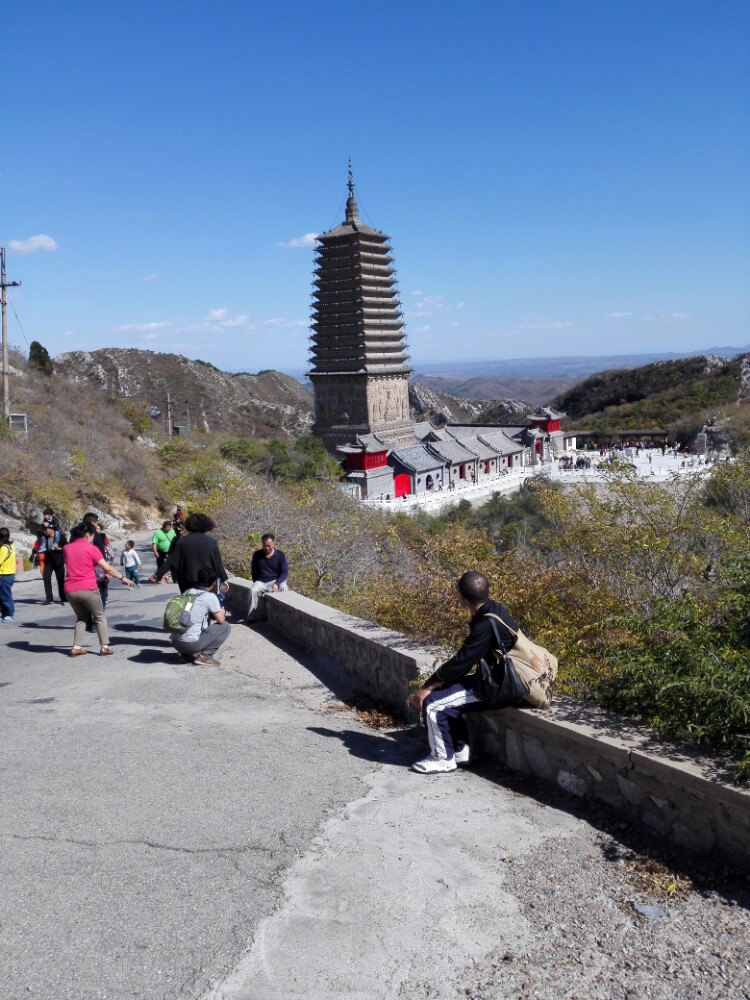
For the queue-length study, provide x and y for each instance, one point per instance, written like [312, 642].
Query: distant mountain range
[537, 380]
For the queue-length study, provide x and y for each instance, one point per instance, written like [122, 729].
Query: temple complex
[360, 380]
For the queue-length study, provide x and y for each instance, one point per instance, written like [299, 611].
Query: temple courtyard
[650, 465]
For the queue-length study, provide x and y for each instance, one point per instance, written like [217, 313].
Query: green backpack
[177, 612]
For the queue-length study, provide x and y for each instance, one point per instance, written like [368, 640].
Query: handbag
[535, 666]
[499, 682]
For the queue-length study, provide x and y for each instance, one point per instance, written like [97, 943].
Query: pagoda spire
[352, 209]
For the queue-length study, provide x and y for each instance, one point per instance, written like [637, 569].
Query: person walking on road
[269, 571]
[161, 542]
[450, 694]
[51, 547]
[132, 563]
[82, 557]
[7, 577]
[208, 629]
[192, 552]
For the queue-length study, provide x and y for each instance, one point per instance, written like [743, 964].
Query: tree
[39, 358]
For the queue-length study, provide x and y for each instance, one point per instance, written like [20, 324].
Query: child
[7, 576]
[131, 561]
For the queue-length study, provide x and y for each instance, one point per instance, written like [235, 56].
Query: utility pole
[188, 416]
[169, 415]
[4, 283]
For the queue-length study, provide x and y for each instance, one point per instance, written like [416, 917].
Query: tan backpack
[535, 666]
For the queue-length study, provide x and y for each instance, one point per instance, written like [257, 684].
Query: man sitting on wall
[449, 694]
[269, 571]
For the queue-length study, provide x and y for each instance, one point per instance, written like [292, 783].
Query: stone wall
[588, 753]
[385, 663]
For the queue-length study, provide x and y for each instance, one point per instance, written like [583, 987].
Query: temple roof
[351, 223]
[417, 458]
[364, 443]
[546, 413]
[501, 443]
[479, 448]
[451, 450]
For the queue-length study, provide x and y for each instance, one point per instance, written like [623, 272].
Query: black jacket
[478, 643]
[190, 554]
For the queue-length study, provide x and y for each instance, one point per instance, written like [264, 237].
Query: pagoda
[358, 354]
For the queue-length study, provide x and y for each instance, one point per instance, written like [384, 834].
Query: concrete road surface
[171, 830]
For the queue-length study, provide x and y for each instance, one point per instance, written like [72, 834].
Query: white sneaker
[462, 756]
[434, 765]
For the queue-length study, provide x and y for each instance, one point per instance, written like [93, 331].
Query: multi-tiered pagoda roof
[357, 323]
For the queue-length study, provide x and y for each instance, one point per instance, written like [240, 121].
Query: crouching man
[208, 629]
[269, 571]
[449, 695]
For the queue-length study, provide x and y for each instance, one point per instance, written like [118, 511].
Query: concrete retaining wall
[588, 753]
[385, 662]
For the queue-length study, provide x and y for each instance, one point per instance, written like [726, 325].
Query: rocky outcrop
[427, 402]
[265, 404]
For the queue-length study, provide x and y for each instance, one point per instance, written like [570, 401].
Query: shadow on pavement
[30, 647]
[127, 641]
[399, 748]
[153, 655]
[63, 623]
[136, 628]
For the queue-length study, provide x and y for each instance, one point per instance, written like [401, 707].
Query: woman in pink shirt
[81, 590]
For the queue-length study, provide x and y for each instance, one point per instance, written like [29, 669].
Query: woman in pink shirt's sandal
[81, 589]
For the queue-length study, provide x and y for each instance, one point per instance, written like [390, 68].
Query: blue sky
[559, 177]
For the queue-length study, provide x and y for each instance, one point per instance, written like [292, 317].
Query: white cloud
[215, 316]
[545, 324]
[618, 315]
[149, 277]
[33, 244]
[674, 317]
[143, 327]
[423, 329]
[308, 240]
[220, 319]
[428, 305]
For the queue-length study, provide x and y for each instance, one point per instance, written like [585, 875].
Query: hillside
[264, 405]
[268, 404]
[532, 390]
[427, 402]
[679, 395]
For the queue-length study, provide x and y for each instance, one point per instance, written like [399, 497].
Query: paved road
[175, 831]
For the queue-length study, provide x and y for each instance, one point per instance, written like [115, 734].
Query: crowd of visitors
[185, 553]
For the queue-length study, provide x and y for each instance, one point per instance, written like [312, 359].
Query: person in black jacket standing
[192, 552]
[449, 694]
[52, 542]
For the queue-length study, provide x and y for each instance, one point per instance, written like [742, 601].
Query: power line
[18, 321]
[4, 285]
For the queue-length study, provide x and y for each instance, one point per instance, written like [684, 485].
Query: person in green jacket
[162, 541]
